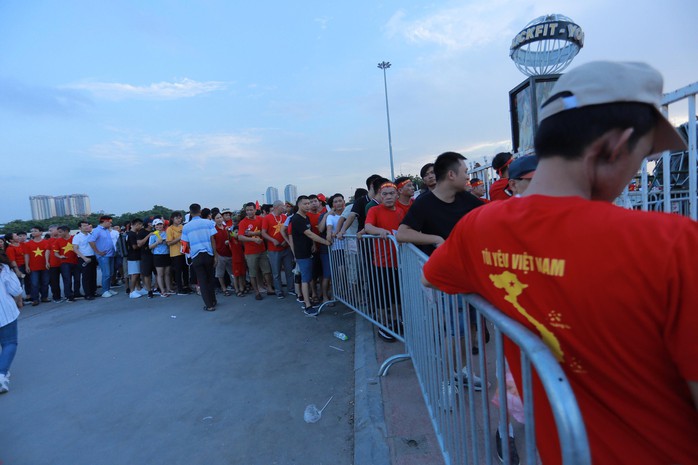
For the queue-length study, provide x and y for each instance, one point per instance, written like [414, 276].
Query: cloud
[181, 88]
[322, 21]
[461, 27]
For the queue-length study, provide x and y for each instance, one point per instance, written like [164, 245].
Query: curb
[370, 432]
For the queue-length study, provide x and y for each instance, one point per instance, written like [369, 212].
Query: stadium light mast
[385, 65]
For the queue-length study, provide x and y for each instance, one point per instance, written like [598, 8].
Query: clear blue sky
[168, 102]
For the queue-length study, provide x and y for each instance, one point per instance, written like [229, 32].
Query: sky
[170, 102]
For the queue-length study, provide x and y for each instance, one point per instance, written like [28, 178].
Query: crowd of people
[592, 138]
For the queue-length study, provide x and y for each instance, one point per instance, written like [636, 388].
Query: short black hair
[215, 211]
[64, 228]
[250, 204]
[500, 160]
[205, 212]
[447, 161]
[425, 168]
[136, 221]
[570, 132]
[312, 196]
[81, 222]
[37, 227]
[195, 209]
[301, 197]
[370, 179]
[360, 192]
[378, 182]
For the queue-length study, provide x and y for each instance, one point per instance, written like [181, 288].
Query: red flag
[256, 205]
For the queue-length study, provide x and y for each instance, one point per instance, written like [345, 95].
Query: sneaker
[183, 292]
[386, 336]
[143, 291]
[71, 299]
[513, 453]
[35, 303]
[58, 301]
[107, 294]
[311, 311]
[258, 297]
[165, 295]
[4, 383]
[113, 293]
[280, 295]
[149, 294]
[293, 293]
[209, 309]
[117, 284]
[135, 295]
[78, 296]
[477, 381]
[45, 300]
[300, 300]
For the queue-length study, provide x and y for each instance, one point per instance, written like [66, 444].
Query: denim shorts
[306, 267]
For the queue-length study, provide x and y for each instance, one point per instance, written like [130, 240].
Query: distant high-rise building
[43, 207]
[47, 206]
[290, 193]
[272, 194]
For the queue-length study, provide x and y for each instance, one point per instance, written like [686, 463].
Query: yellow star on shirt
[67, 248]
[277, 228]
[38, 252]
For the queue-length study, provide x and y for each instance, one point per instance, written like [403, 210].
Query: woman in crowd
[179, 262]
[161, 257]
[10, 303]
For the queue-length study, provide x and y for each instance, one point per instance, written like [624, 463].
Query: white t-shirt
[81, 242]
[9, 289]
[332, 220]
[354, 228]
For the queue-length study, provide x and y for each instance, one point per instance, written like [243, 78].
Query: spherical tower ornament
[546, 45]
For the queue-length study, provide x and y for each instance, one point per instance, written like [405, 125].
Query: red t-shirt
[314, 221]
[64, 247]
[499, 190]
[254, 225]
[625, 335]
[52, 259]
[390, 219]
[16, 254]
[402, 206]
[37, 254]
[273, 225]
[236, 249]
[221, 237]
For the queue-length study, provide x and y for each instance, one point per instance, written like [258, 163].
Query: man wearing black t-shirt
[358, 209]
[133, 259]
[434, 214]
[303, 238]
[147, 265]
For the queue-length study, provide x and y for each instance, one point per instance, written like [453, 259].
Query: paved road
[119, 381]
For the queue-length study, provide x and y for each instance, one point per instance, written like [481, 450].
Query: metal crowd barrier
[442, 332]
[459, 373]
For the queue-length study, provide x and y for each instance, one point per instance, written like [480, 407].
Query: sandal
[240, 294]
[227, 293]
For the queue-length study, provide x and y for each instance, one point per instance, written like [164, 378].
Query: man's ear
[620, 144]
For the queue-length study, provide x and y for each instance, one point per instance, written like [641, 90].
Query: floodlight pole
[385, 65]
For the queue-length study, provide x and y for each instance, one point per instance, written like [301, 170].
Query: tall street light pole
[385, 65]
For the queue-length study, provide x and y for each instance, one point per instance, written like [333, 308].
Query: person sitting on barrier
[382, 221]
[303, 239]
[405, 191]
[556, 260]
[499, 190]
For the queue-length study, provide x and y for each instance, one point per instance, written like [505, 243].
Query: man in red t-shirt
[556, 260]
[478, 189]
[499, 190]
[224, 255]
[382, 220]
[405, 192]
[36, 265]
[15, 252]
[70, 271]
[277, 247]
[250, 234]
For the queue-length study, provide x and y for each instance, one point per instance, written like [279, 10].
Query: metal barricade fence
[442, 333]
[365, 279]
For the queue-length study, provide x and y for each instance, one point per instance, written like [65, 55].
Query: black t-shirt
[359, 208]
[302, 244]
[133, 255]
[430, 215]
[145, 250]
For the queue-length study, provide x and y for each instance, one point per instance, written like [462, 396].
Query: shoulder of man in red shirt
[498, 190]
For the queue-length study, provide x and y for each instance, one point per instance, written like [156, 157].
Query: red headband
[387, 184]
[499, 171]
[403, 183]
[476, 183]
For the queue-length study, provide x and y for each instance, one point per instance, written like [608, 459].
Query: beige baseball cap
[602, 82]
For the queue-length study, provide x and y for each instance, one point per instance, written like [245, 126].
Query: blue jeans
[277, 259]
[106, 265]
[8, 342]
[39, 280]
